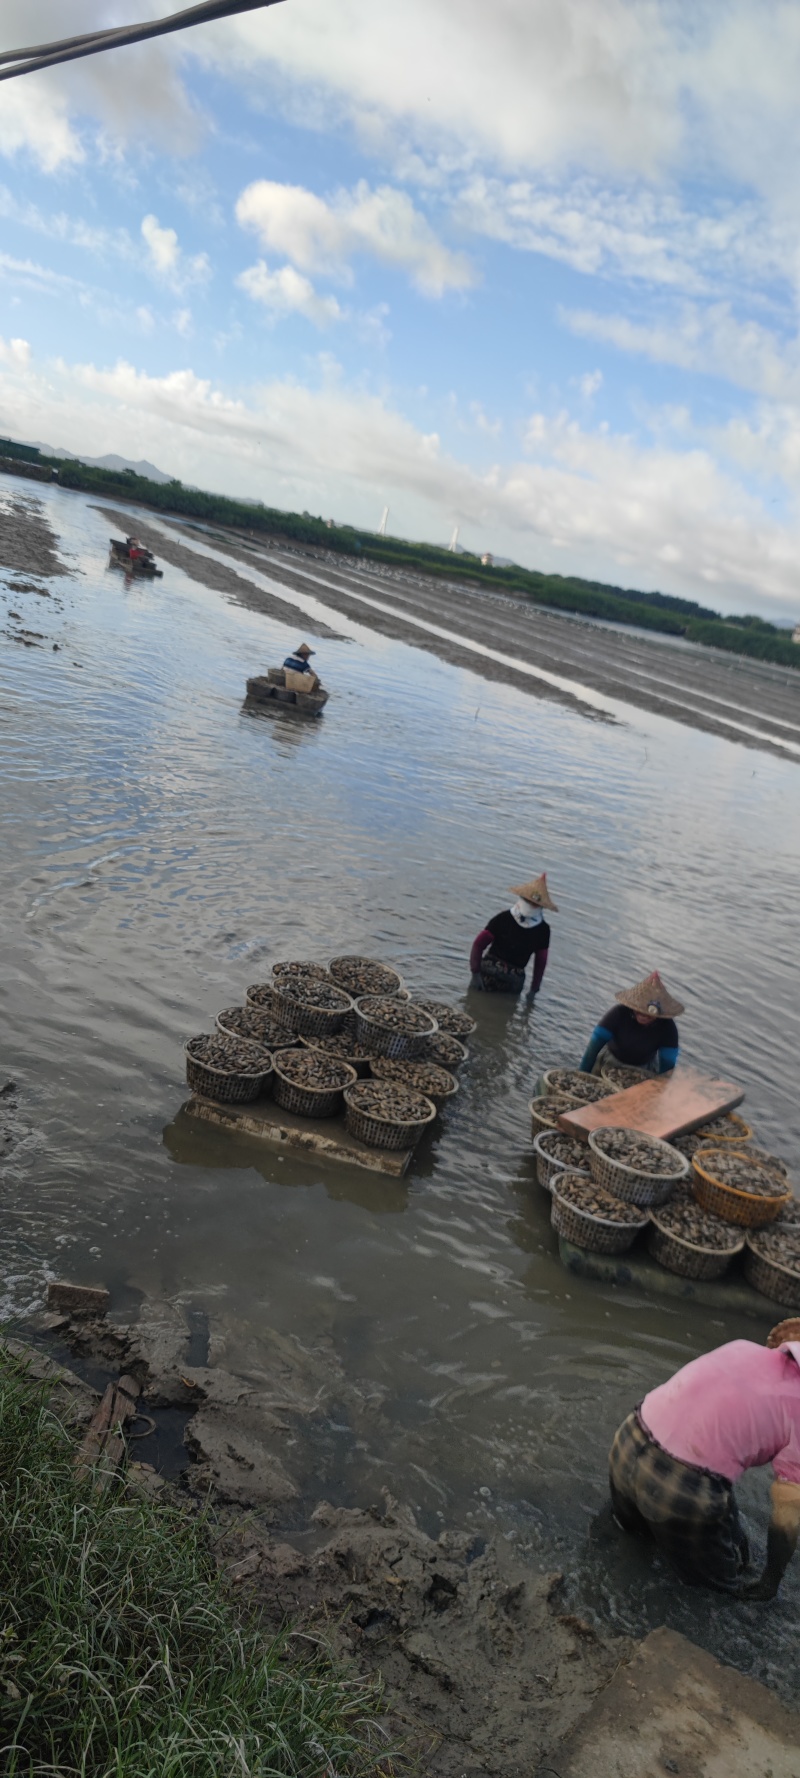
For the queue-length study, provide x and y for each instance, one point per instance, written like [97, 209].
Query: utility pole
[382, 525]
[453, 544]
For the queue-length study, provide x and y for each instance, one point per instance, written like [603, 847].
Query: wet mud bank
[29, 558]
[749, 701]
[213, 574]
[485, 1665]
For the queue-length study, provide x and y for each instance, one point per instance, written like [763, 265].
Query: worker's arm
[784, 1529]
[600, 1036]
[481, 944]
[539, 967]
[667, 1059]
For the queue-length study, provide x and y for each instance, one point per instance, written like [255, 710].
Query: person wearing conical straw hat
[504, 947]
[674, 1461]
[640, 1029]
[299, 662]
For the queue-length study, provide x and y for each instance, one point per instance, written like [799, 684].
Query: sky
[531, 269]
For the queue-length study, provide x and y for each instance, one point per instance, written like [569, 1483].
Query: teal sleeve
[600, 1036]
[667, 1059]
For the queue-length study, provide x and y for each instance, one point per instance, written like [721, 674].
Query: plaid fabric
[691, 1513]
[501, 978]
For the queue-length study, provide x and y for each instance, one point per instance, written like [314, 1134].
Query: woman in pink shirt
[675, 1459]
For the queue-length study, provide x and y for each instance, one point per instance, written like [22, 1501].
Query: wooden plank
[325, 1139]
[671, 1105]
[104, 1436]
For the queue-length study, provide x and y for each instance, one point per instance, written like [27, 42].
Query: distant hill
[112, 461]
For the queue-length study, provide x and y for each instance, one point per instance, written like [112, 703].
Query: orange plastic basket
[738, 1131]
[729, 1201]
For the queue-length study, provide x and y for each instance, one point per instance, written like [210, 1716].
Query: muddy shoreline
[740, 699]
[486, 1668]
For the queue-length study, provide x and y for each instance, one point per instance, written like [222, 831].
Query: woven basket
[229, 1087]
[592, 1233]
[677, 1255]
[737, 1131]
[383, 1040]
[384, 1132]
[309, 1101]
[448, 1018]
[437, 1084]
[387, 982]
[634, 1186]
[728, 1201]
[300, 971]
[780, 1283]
[546, 1110]
[359, 1064]
[262, 997]
[621, 1075]
[583, 1088]
[257, 1026]
[444, 1051]
[310, 1020]
[546, 1165]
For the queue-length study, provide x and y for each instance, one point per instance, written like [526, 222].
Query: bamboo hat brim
[651, 997]
[536, 892]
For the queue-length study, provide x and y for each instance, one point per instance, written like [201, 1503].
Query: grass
[120, 1654]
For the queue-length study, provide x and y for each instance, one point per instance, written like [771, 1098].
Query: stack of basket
[314, 1034]
[605, 1209]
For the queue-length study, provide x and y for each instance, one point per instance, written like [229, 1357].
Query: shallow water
[160, 848]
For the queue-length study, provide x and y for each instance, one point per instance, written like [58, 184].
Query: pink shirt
[731, 1410]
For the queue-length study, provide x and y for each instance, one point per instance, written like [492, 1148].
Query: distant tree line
[663, 612]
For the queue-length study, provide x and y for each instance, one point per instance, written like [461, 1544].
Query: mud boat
[133, 557]
[279, 687]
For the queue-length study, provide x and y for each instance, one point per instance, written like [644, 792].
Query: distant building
[487, 560]
[331, 524]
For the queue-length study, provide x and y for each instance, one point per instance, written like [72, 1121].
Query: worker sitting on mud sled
[639, 1030]
[503, 950]
[674, 1461]
[298, 662]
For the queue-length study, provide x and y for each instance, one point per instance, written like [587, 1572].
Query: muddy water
[160, 848]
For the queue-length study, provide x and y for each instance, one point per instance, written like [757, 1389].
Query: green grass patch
[121, 1655]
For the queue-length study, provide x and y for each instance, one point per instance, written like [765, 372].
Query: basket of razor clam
[700, 1200]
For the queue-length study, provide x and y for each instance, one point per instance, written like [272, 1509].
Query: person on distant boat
[674, 1461]
[640, 1030]
[135, 550]
[298, 662]
[503, 949]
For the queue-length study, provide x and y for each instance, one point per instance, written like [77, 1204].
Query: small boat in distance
[279, 688]
[133, 557]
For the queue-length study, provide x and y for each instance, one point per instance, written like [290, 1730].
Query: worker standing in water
[299, 661]
[675, 1459]
[639, 1030]
[503, 949]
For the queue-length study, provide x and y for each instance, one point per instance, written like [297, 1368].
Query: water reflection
[158, 852]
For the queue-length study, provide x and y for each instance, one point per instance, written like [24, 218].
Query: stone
[78, 1300]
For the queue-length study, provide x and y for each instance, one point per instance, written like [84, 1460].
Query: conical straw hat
[650, 996]
[536, 892]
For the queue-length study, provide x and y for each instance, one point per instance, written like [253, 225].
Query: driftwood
[103, 1444]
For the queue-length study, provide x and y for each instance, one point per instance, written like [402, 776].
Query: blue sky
[529, 269]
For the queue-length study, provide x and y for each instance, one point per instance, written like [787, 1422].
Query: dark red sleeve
[539, 967]
[481, 944]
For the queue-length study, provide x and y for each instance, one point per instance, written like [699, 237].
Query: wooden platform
[639, 1272]
[673, 1105]
[324, 1139]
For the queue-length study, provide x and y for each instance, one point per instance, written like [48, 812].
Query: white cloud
[14, 352]
[590, 384]
[588, 501]
[323, 236]
[182, 322]
[288, 292]
[167, 260]
[710, 340]
[35, 119]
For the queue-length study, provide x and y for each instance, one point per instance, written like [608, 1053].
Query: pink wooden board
[668, 1107]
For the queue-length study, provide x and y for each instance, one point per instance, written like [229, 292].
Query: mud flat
[486, 1670]
[750, 701]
